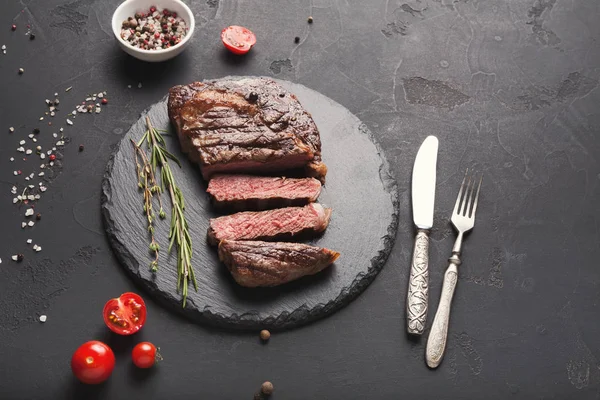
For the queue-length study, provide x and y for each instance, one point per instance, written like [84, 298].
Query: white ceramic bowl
[129, 7]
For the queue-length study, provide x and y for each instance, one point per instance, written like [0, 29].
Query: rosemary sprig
[179, 232]
[147, 182]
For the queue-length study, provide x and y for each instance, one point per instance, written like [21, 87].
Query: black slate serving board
[359, 188]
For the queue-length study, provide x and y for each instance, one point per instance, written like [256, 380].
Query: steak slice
[255, 263]
[281, 223]
[245, 125]
[249, 192]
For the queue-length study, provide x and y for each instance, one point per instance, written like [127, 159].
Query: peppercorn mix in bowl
[153, 30]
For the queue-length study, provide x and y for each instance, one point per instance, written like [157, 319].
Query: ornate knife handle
[418, 285]
[438, 336]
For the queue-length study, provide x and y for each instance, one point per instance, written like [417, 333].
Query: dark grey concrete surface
[509, 88]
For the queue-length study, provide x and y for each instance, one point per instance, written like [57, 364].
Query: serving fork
[463, 219]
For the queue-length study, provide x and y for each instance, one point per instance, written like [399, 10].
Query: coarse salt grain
[29, 212]
[30, 197]
[21, 149]
[23, 224]
[69, 122]
[41, 174]
[31, 223]
[15, 257]
[13, 190]
[43, 188]
[38, 248]
[22, 142]
[28, 151]
[140, 85]
[43, 318]
[42, 156]
[37, 196]
[29, 241]
[15, 200]
[12, 159]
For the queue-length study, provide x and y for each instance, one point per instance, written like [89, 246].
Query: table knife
[423, 199]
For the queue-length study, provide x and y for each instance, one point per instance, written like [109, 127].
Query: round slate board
[359, 188]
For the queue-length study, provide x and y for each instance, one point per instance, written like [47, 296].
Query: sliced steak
[255, 263]
[245, 125]
[282, 223]
[249, 192]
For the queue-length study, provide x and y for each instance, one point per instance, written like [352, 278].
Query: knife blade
[423, 200]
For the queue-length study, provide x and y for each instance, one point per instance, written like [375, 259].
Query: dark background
[509, 87]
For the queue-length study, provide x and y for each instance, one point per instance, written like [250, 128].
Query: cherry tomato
[145, 355]
[237, 39]
[126, 314]
[93, 362]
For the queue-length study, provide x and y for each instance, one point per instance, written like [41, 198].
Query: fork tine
[457, 205]
[467, 198]
[477, 197]
[470, 202]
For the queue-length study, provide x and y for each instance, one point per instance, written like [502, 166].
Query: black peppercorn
[36, 130]
[31, 36]
[310, 20]
[80, 147]
[20, 257]
[252, 97]
[297, 39]
[38, 216]
[282, 95]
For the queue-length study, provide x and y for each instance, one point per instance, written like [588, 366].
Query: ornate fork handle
[438, 336]
[417, 298]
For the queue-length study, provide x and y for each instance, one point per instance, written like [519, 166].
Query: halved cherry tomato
[93, 362]
[126, 314]
[145, 355]
[237, 39]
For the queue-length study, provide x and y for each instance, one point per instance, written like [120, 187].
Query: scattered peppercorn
[80, 147]
[267, 388]
[38, 216]
[252, 97]
[52, 157]
[297, 39]
[265, 334]
[20, 257]
[36, 130]
[105, 101]
[13, 27]
[310, 20]
[21, 70]
[31, 36]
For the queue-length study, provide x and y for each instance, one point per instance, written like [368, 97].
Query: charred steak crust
[278, 224]
[250, 192]
[250, 124]
[256, 263]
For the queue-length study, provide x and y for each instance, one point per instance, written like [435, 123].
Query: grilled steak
[245, 125]
[254, 263]
[249, 192]
[282, 223]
